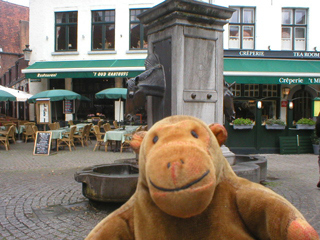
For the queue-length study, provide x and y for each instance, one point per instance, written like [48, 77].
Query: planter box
[243, 127]
[305, 126]
[275, 127]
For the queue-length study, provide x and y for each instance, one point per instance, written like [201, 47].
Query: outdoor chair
[57, 125]
[4, 139]
[52, 126]
[99, 137]
[88, 133]
[126, 143]
[12, 133]
[70, 122]
[35, 130]
[82, 136]
[107, 127]
[115, 124]
[28, 133]
[67, 140]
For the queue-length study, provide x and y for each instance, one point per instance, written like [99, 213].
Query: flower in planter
[306, 121]
[90, 115]
[242, 121]
[272, 121]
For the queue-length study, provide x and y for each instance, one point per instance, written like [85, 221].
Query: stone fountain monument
[186, 39]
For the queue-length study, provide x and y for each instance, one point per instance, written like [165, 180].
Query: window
[294, 29]
[66, 31]
[138, 37]
[103, 28]
[242, 28]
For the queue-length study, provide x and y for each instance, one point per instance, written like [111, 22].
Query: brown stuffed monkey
[187, 190]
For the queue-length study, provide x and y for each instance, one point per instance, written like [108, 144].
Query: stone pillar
[118, 82]
[187, 36]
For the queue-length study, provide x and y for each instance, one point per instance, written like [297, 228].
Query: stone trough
[108, 182]
[117, 182]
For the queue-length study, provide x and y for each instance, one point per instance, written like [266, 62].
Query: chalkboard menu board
[68, 106]
[42, 143]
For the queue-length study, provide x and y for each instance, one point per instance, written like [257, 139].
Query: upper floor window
[294, 29]
[66, 31]
[242, 28]
[138, 37]
[103, 28]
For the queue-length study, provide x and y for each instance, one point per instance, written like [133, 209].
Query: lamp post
[27, 53]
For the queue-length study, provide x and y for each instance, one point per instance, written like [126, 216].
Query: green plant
[306, 121]
[314, 138]
[272, 121]
[242, 121]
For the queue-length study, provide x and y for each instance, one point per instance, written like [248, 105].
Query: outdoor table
[81, 125]
[118, 135]
[57, 134]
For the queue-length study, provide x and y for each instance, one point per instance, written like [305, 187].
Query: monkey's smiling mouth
[180, 188]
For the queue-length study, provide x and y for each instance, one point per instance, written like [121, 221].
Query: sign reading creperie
[287, 80]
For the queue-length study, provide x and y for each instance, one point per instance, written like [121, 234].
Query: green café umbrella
[56, 95]
[112, 93]
[5, 96]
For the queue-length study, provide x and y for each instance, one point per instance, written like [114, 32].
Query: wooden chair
[4, 139]
[52, 126]
[145, 128]
[82, 136]
[12, 133]
[99, 137]
[126, 143]
[28, 133]
[107, 127]
[115, 124]
[88, 133]
[67, 140]
[70, 123]
[57, 125]
[35, 130]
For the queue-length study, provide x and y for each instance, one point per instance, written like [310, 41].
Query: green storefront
[276, 79]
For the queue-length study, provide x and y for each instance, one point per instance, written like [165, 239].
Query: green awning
[85, 69]
[271, 71]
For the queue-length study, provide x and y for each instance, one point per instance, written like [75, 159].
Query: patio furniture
[126, 143]
[4, 137]
[115, 124]
[82, 136]
[88, 132]
[107, 127]
[28, 133]
[67, 140]
[52, 126]
[70, 122]
[35, 130]
[100, 139]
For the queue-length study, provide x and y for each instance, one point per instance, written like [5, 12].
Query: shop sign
[47, 75]
[110, 74]
[272, 54]
[288, 80]
[284, 103]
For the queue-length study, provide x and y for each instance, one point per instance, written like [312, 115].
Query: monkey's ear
[220, 132]
[137, 140]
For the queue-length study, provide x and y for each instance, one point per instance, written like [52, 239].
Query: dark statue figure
[152, 83]
[149, 83]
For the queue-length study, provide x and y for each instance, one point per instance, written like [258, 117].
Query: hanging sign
[68, 106]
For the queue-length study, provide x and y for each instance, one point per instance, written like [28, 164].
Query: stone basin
[108, 182]
[117, 182]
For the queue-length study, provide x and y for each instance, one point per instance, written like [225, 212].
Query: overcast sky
[20, 2]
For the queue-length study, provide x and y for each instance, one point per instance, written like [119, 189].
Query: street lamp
[27, 52]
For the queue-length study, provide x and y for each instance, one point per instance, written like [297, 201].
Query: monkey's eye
[155, 139]
[194, 134]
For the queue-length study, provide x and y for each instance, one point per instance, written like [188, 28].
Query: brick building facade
[14, 35]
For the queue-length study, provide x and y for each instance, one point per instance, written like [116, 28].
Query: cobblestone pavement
[39, 198]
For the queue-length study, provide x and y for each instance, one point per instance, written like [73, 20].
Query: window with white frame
[294, 29]
[138, 36]
[242, 28]
[103, 30]
[66, 24]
